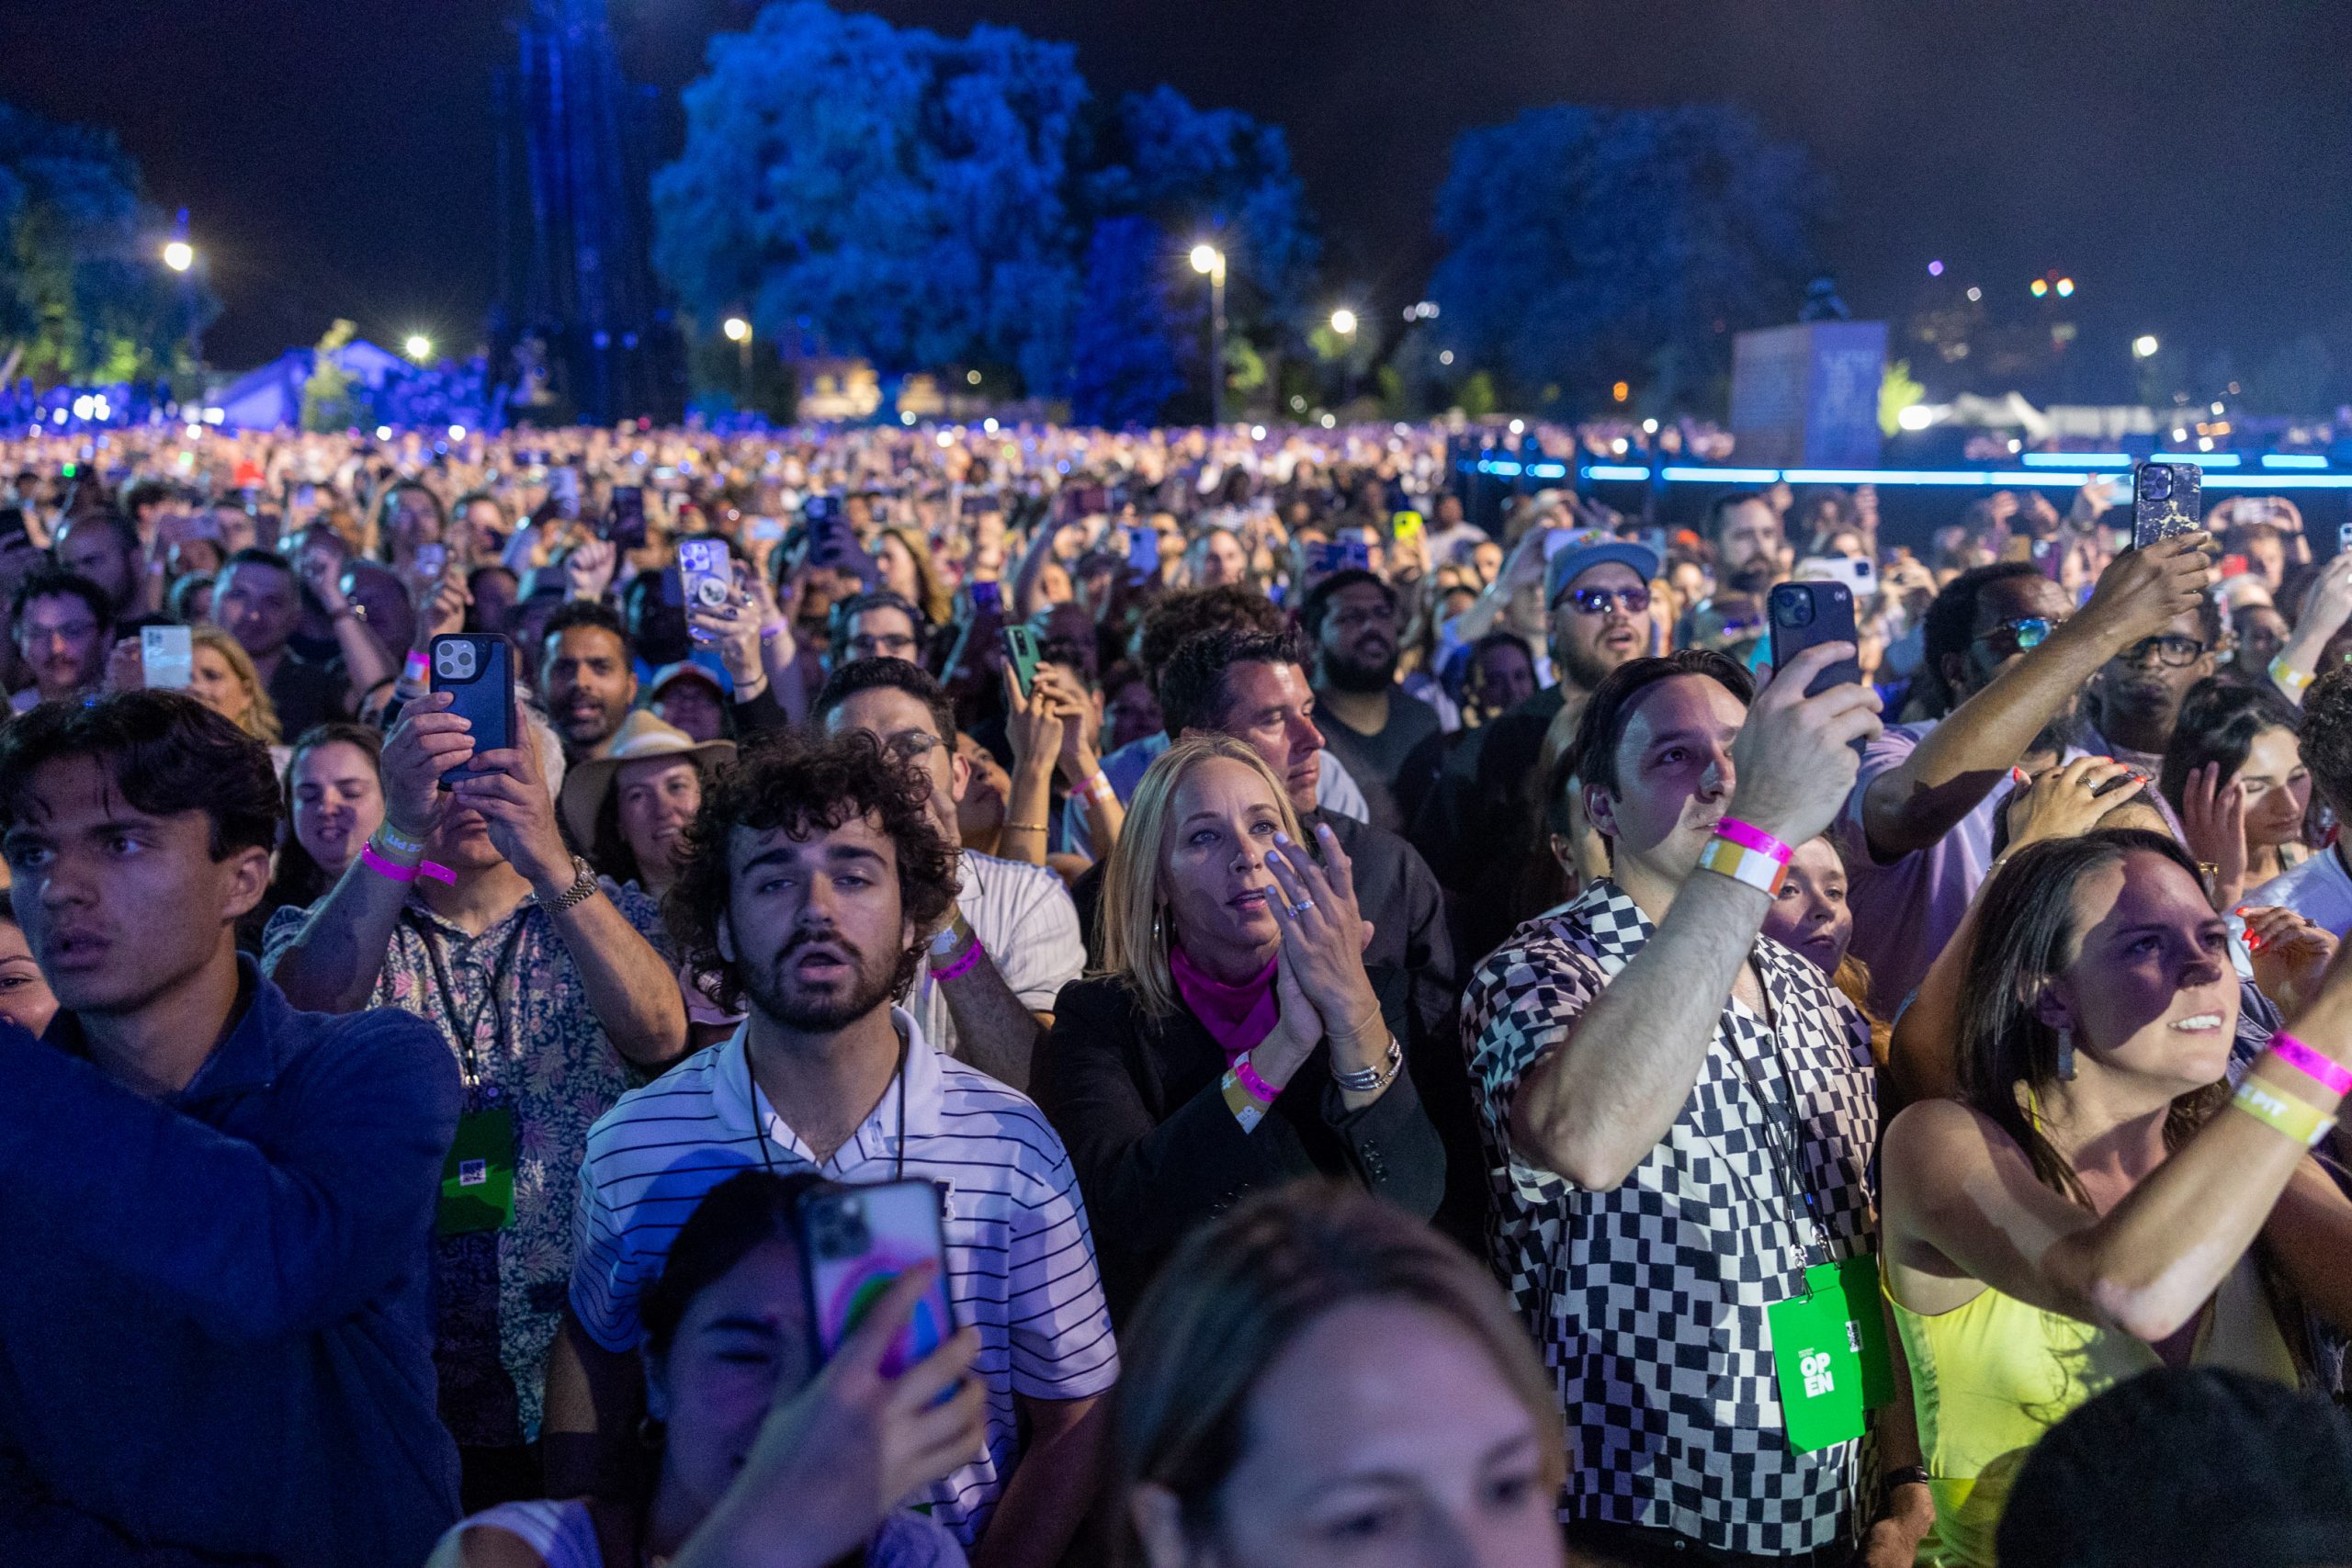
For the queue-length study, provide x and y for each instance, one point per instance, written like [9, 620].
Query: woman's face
[212, 682]
[1506, 678]
[338, 802]
[742, 1335]
[2151, 993]
[981, 810]
[2261, 632]
[2278, 788]
[657, 797]
[1213, 862]
[1132, 714]
[1223, 560]
[898, 569]
[1811, 915]
[1418, 1457]
[26, 999]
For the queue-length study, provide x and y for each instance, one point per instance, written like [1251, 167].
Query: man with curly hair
[813, 874]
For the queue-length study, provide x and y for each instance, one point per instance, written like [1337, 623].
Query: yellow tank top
[1991, 1376]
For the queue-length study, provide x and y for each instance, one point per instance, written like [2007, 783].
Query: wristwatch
[583, 886]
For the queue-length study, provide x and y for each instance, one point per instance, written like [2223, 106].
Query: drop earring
[2067, 1055]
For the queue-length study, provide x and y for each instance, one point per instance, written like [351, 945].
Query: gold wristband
[2287, 675]
[2287, 1114]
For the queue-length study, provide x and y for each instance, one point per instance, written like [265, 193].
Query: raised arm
[1908, 808]
[1594, 1106]
[2324, 612]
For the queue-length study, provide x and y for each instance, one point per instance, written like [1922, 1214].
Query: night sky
[2190, 165]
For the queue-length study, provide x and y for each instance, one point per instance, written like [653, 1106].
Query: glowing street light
[178, 255]
[736, 329]
[738, 332]
[419, 347]
[2145, 346]
[1208, 260]
[2065, 287]
[1343, 321]
[2039, 286]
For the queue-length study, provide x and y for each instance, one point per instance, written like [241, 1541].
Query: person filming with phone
[467, 908]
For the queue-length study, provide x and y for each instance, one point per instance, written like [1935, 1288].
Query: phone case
[1020, 649]
[477, 670]
[706, 571]
[2167, 499]
[1806, 615]
[166, 658]
[857, 1240]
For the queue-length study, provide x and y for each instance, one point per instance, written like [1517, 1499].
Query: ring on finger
[1300, 907]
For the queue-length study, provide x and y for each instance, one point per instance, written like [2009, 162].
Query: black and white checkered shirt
[1649, 1301]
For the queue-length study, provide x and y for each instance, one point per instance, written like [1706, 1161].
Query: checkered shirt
[1649, 1301]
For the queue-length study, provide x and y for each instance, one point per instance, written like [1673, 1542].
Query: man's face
[1994, 637]
[903, 722]
[2143, 687]
[1486, 560]
[1750, 537]
[1269, 709]
[90, 547]
[1674, 775]
[814, 925]
[1358, 642]
[1594, 627]
[689, 704]
[1506, 678]
[90, 871]
[258, 606]
[588, 684]
[63, 642]
[883, 632]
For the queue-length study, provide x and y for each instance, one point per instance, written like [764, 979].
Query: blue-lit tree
[1127, 354]
[83, 295]
[1587, 245]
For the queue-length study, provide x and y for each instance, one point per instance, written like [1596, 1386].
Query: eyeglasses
[1371, 616]
[2174, 652]
[887, 645]
[2022, 635]
[1600, 600]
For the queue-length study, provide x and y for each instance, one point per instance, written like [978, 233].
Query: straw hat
[639, 737]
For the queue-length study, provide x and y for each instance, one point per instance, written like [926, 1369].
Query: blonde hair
[261, 713]
[932, 592]
[1134, 907]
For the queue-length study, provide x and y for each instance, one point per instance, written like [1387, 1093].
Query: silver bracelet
[1372, 1080]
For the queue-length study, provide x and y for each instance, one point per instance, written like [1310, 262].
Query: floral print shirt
[538, 1050]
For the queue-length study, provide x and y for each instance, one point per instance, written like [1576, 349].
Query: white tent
[271, 397]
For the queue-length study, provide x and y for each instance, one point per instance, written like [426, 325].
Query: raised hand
[2144, 590]
[2068, 801]
[510, 790]
[1323, 938]
[428, 741]
[1793, 762]
[2213, 818]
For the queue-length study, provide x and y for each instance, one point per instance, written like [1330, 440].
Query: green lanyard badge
[1829, 1350]
[478, 1179]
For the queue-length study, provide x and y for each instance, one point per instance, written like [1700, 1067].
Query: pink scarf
[1237, 1017]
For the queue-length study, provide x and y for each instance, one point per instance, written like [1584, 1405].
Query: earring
[2067, 1055]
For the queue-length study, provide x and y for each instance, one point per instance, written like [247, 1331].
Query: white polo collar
[744, 1110]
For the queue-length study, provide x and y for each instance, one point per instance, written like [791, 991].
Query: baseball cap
[1587, 547]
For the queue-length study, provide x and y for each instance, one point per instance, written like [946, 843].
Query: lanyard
[1780, 1138]
[468, 1060]
[759, 1130]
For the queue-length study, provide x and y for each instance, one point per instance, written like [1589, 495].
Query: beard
[1585, 668]
[1350, 674]
[777, 992]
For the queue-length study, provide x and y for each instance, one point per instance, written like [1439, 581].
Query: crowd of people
[1428, 1047]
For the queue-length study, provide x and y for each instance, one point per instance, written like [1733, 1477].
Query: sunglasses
[2022, 635]
[1600, 600]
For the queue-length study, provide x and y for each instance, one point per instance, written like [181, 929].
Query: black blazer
[1157, 1151]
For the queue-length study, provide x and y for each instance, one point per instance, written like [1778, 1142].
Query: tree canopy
[1589, 246]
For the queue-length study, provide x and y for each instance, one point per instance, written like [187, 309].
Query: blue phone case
[478, 670]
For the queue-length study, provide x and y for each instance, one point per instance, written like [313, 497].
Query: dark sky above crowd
[2185, 162]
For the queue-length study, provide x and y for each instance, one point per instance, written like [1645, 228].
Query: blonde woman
[1233, 1041]
[220, 675]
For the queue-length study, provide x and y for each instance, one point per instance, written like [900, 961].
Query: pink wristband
[961, 967]
[391, 868]
[440, 874]
[2329, 1075]
[1756, 839]
[1259, 1089]
[417, 669]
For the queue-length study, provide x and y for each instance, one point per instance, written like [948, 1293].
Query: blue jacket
[215, 1310]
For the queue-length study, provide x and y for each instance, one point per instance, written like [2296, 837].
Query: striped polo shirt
[1019, 1258]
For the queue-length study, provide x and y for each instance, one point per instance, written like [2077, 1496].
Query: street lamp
[419, 347]
[738, 332]
[179, 255]
[1209, 261]
[1343, 321]
[2145, 346]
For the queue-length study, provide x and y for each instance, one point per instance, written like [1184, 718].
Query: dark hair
[1949, 626]
[2025, 935]
[2327, 737]
[143, 493]
[2264, 1481]
[585, 612]
[1192, 685]
[1611, 708]
[1720, 507]
[167, 753]
[185, 589]
[806, 785]
[125, 532]
[255, 555]
[887, 674]
[1318, 603]
[56, 582]
[2218, 720]
[846, 610]
[748, 1210]
[1176, 618]
[300, 880]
